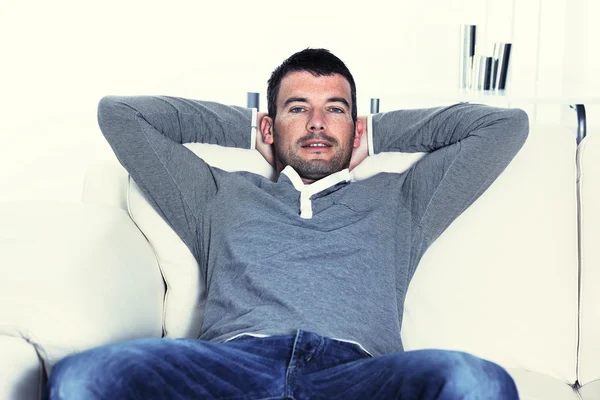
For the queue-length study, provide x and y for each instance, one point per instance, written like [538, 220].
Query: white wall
[58, 58]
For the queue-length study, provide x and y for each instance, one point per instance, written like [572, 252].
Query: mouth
[316, 145]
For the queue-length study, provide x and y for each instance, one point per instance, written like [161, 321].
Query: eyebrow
[339, 100]
[295, 99]
[305, 100]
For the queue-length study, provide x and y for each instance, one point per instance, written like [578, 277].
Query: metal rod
[253, 100]
[502, 58]
[374, 106]
[467, 52]
[581, 121]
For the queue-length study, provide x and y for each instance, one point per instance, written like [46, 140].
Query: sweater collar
[317, 186]
[307, 191]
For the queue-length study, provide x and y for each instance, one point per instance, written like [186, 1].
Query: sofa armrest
[21, 372]
[76, 276]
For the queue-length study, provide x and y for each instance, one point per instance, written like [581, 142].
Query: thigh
[173, 369]
[420, 374]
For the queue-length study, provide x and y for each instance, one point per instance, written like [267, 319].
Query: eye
[336, 110]
[296, 110]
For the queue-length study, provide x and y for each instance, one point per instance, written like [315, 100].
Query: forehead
[306, 85]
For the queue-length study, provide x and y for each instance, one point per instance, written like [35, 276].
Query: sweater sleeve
[468, 146]
[147, 136]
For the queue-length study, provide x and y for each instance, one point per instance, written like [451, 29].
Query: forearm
[427, 130]
[466, 153]
[146, 135]
[180, 120]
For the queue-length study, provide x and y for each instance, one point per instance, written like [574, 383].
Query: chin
[317, 170]
[317, 167]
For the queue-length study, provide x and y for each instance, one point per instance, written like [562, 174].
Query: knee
[93, 374]
[73, 378]
[464, 376]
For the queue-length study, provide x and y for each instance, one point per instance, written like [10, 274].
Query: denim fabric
[304, 366]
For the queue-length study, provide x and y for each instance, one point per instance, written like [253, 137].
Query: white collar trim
[307, 191]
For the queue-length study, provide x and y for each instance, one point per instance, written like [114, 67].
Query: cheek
[286, 131]
[290, 123]
[340, 122]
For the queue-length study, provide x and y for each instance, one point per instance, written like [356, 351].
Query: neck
[306, 181]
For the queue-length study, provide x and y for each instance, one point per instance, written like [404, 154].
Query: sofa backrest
[588, 160]
[501, 281]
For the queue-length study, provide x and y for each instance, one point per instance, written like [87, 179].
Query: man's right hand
[362, 151]
[266, 150]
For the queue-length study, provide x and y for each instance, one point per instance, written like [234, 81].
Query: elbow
[520, 121]
[106, 105]
[514, 125]
[112, 108]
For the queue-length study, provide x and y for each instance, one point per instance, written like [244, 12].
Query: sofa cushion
[501, 281]
[590, 391]
[536, 386]
[75, 276]
[588, 159]
[105, 184]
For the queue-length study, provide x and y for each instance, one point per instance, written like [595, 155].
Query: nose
[316, 122]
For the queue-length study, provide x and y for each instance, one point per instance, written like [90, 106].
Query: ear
[266, 129]
[358, 132]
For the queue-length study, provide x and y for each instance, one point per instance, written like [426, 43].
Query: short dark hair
[319, 62]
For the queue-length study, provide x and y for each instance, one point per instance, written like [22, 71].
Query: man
[306, 276]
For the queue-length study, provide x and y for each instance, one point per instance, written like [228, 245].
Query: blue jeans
[304, 366]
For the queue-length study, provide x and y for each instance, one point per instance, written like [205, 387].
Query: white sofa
[512, 280]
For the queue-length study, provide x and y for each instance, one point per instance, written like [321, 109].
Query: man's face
[313, 131]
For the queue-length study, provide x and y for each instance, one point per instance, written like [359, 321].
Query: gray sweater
[342, 269]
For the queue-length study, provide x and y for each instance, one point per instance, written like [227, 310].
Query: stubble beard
[315, 169]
